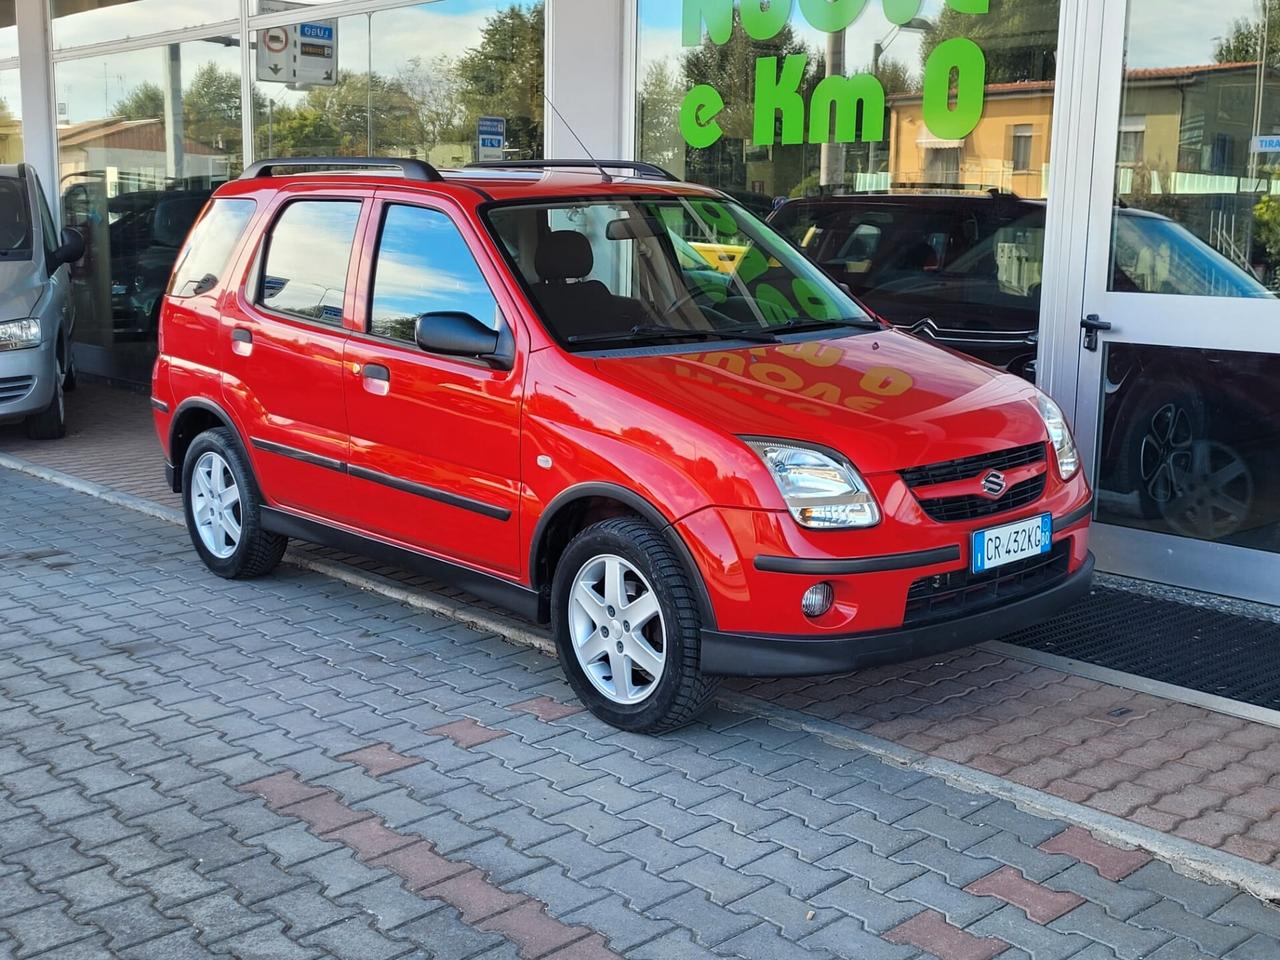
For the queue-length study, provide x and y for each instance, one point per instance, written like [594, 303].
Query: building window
[942, 164]
[1022, 148]
[77, 22]
[1133, 135]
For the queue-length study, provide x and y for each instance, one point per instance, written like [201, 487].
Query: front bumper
[747, 655]
[27, 379]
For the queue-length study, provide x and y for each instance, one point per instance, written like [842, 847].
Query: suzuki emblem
[994, 483]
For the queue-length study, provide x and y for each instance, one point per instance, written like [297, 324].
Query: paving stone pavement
[294, 768]
[1182, 770]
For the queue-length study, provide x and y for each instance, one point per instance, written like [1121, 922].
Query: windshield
[1155, 255]
[15, 220]
[674, 268]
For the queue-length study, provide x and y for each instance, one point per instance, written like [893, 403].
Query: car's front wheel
[51, 422]
[627, 627]
[222, 505]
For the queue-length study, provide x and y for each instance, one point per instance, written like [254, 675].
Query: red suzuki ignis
[612, 402]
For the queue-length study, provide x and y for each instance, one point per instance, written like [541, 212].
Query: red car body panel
[666, 429]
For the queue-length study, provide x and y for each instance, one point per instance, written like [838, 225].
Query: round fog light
[817, 600]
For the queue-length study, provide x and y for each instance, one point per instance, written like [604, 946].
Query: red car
[522, 379]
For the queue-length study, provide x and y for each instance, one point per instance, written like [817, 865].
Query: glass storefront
[10, 117]
[412, 82]
[1187, 436]
[935, 219]
[146, 133]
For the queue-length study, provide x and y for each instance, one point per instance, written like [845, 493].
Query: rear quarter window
[201, 264]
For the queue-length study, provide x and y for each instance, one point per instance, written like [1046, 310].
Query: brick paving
[296, 768]
[1201, 776]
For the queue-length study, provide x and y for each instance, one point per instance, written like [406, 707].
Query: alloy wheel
[215, 504]
[617, 630]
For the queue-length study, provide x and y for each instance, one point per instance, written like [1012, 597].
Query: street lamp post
[914, 25]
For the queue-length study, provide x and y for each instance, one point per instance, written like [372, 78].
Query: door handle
[241, 342]
[376, 379]
[1091, 325]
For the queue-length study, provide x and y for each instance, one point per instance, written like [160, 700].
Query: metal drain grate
[1205, 650]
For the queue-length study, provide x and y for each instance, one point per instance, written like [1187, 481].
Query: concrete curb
[1186, 856]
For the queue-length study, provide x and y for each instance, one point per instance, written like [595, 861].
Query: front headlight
[19, 334]
[1060, 434]
[823, 492]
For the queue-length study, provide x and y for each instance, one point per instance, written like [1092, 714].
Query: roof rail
[649, 171]
[410, 169]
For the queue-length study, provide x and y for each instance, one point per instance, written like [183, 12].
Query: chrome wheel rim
[215, 505]
[617, 630]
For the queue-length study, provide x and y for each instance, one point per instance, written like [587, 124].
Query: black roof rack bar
[649, 170]
[410, 169]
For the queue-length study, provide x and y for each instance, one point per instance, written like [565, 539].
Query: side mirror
[462, 335]
[72, 248]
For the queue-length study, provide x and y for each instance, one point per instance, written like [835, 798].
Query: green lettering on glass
[764, 20]
[779, 92]
[901, 11]
[752, 266]
[964, 58]
[831, 16]
[813, 301]
[846, 94]
[773, 303]
[718, 15]
[715, 217]
[698, 114]
[969, 6]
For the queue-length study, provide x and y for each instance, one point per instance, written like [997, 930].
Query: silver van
[36, 310]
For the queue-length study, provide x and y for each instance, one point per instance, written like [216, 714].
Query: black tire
[682, 691]
[258, 551]
[1162, 420]
[51, 422]
[70, 379]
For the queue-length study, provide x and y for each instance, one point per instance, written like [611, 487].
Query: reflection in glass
[424, 266]
[307, 259]
[1202, 86]
[413, 82]
[145, 138]
[940, 235]
[1191, 444]
[10, 117]
[77, 22]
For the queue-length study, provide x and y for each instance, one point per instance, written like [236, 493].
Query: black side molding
[431, 493]
[280, 450]
[840, 566]
[505, 593]
[1074, 517]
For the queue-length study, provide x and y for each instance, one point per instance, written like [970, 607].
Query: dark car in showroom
[963, 270]
[147, 231]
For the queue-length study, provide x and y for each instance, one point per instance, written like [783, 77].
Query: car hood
[884, 399]
[20, 288]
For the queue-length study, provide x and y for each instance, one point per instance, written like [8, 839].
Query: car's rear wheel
[223, 509]
[51, 422]
[627, 627]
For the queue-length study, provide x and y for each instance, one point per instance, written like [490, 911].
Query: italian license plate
[996, 546]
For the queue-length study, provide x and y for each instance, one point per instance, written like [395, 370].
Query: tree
[660, 96]
[1243, 43]
[1019, 38]
[433, 87]
[211, 108]
[143, 102]
[503, 76]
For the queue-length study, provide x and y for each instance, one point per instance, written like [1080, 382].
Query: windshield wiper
[860, 323]
[652, 331]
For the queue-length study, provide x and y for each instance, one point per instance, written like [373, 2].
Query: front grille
[15, 388]
[951, 509]
[961, 592]
[951, 470]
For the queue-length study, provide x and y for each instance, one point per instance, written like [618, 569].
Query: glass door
[1179, 377]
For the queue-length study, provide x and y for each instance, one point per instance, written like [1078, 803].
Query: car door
[435, 440]
[281, 346]
[59, 274]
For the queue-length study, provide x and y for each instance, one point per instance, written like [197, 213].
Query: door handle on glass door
[1091, 325]
[376, 379]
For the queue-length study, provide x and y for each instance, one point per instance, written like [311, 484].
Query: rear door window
[308, 255]
[201, 264]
